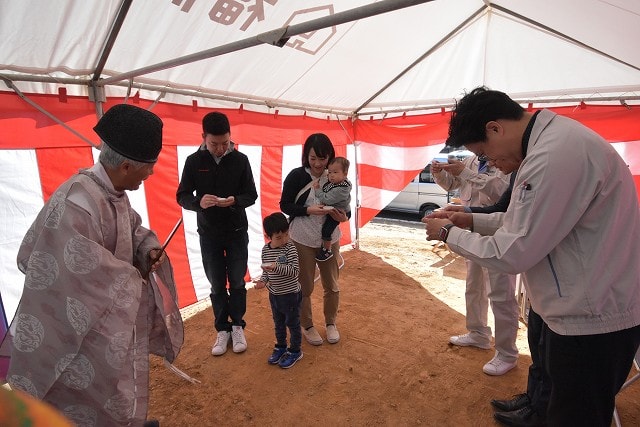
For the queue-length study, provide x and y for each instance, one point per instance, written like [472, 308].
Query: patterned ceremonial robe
[87, 319]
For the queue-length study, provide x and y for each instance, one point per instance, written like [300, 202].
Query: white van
[422, 194]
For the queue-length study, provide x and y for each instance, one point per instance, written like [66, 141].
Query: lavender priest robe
[88, 319]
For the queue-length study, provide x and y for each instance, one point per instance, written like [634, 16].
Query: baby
[336, 192]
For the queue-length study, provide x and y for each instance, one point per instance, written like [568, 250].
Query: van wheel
[427, 209]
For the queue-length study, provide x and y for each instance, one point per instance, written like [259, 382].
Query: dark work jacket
[502, 204]
[232, 177]
[293, 183]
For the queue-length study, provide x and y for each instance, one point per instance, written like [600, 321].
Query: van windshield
[425, 175]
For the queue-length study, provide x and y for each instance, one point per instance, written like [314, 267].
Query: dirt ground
[401, 299]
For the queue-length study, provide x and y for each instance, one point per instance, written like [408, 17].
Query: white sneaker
[220, 347]
[467, 341]
[312, 336]
[239, 341]
[333, 336]
[497, 366]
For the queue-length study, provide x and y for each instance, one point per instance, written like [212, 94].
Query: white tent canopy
[422, 55]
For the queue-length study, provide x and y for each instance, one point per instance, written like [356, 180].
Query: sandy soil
[401, 299]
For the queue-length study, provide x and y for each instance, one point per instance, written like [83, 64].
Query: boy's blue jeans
[286, 314]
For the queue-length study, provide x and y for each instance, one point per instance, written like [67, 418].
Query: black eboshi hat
[132, 132]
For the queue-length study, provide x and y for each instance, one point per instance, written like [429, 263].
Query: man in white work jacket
[573, 229]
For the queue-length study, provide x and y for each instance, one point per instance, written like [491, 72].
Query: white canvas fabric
[532, 48]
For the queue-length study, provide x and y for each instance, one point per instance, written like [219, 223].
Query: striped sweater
[284, 278]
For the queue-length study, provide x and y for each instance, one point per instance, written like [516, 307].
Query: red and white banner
[37, 154]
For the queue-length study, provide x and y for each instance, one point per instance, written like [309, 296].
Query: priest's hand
[156, 257]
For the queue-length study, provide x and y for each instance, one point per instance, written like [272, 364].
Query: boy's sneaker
[239, 341]
[277, 354]
[323, 254]
[289, 359]
[220, 346]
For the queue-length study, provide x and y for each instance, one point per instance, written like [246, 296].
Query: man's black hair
[475, 110]
[215, 123]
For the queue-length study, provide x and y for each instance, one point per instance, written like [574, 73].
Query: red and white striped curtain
[36, 155]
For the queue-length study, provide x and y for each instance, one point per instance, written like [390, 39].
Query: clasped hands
[209, 200]
[454, 167]
[448, 215]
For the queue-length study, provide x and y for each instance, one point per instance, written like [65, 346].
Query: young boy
[280, 276]
[335, 193]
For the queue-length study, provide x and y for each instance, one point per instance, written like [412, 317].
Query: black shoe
[523, 417]
[518, 401]
[152, 423]
[323, 254]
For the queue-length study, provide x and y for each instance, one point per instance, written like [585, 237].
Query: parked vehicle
[422, 195]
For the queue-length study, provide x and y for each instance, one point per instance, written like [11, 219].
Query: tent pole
[45, 112]
[560, 100]
[355, 157]
[628, 93]
[562, 35]
[428, 53]
[111, 39]
[277, 37]
[357, 180]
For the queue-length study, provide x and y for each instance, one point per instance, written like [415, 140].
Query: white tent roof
[418, 56]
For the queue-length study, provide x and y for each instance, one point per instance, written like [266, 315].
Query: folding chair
[634, 378]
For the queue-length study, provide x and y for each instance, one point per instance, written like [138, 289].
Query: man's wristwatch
[444, 232]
